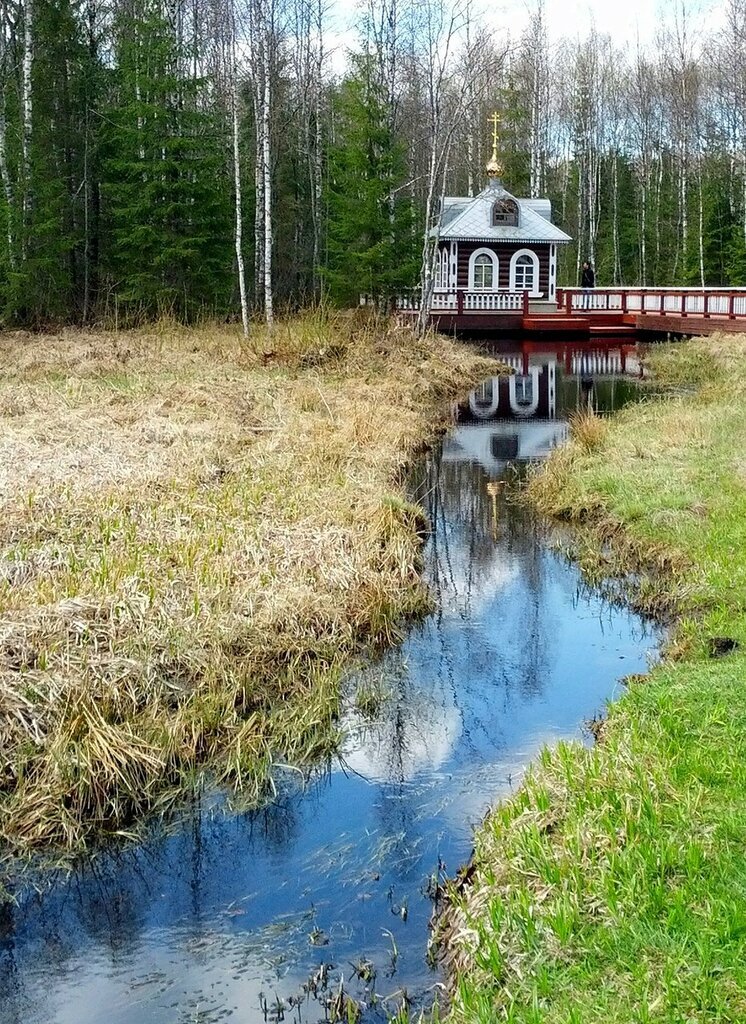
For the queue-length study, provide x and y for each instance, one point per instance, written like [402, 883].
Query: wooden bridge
[603, 311]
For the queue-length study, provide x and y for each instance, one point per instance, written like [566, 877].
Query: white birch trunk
[238, 198]
[701, 230]
[267, 174]
[743, 186]
[535, 172]
[471, 113]
[258, 197]
[683, 212]
[580, 257]
[657, 215]
[644, 229]
[7, 188]
[317, 160]
[429, 245]
[318, 184]
[615, 219]
[86, 224]
[138, 97]
[27, 112]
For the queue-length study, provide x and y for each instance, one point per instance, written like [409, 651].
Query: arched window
[441, 269]
[505, 213]
[524, 272]
[483, 270]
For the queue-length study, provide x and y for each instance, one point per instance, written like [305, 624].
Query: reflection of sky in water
[198, 922]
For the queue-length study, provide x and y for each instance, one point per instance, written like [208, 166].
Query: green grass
[613, 886]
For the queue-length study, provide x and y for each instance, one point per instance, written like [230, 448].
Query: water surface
[226, 915]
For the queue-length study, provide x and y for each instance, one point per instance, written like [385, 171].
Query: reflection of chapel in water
[523, 416]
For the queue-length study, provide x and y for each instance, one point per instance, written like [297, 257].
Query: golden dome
[494, 167]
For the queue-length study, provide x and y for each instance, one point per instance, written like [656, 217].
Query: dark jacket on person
[588, 279]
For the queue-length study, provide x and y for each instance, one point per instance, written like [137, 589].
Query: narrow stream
[226, 915]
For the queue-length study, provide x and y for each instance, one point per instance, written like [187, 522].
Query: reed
[196, 533]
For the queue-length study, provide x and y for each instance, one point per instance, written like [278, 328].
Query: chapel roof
[470, 219]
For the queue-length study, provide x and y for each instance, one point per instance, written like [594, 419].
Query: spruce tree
[165, 187]
[372, 246]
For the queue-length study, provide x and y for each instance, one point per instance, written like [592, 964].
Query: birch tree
[237, 176]
[682, 88]
[5, 173]
[27, 14]
[309, 62]
[264, 32]
[446, 66]
[534, 58]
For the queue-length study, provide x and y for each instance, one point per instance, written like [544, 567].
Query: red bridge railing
[683, 302]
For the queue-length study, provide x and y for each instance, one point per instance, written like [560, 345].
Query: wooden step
[556, 322]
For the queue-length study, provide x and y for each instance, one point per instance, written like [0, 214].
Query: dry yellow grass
[195, 533]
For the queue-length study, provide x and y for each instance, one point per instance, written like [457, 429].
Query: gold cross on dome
[494, 120]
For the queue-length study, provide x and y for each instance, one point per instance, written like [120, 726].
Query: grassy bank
[613, 886]
[195, 535]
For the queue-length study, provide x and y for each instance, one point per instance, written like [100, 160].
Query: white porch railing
[492, 301]
[464, 301]
[683, 302]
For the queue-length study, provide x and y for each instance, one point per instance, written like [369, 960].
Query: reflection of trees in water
[486, 638]
[112, 899]
[481, 530]
[51, 923]
[465, 511]
[484, 651]
[603, 394]
[11, 983]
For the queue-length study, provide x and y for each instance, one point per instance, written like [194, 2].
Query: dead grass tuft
[588, 430]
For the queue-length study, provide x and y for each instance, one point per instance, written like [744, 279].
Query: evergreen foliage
[117, 178]
[167, 200]
[372, 244]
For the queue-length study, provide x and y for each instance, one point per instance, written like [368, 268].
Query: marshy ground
[195, 534]
[612, 887]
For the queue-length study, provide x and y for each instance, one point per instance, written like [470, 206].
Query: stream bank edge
[610, 888]
[207, 532]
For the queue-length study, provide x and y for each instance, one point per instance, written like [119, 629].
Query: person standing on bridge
[587, 283]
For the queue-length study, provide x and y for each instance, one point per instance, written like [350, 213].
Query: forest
[230, 158]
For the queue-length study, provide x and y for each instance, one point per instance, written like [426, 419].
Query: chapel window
[505, 213]
[525, 274]
[483, 271]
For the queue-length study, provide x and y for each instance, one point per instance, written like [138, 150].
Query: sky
[624, 20]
